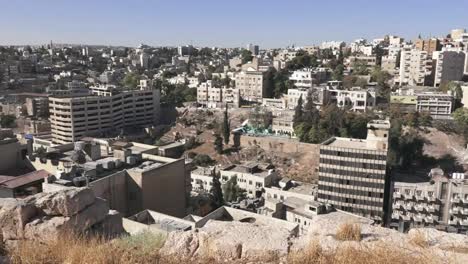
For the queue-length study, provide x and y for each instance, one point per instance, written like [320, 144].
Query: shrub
[419, 239]
[349, 231]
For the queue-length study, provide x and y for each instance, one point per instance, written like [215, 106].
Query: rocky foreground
[47, 215]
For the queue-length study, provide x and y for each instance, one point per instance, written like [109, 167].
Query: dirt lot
[204, 123]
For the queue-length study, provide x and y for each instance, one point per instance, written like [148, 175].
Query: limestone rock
[46, 215]
[14, 214]
[46, 227]
[230, 241]
[89, 216]
[111, 226]
[66, 202]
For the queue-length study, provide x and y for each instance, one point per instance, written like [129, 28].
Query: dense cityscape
[170, 140]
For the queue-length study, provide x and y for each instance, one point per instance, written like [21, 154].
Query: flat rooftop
[346, 143]
[304, 188]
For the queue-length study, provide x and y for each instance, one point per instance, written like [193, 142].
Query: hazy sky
[269, 23]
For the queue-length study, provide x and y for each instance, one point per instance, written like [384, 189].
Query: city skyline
[268, 24]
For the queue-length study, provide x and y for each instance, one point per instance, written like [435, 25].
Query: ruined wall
[277, 144]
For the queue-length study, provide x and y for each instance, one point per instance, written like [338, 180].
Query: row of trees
[7, 121]
[312, 126]
[225, 132]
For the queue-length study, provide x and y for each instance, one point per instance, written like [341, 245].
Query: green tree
[203, 160]
[131, 80]
[232, 192]
[269, 82]
[361, 82]
[338, 72]
[7, 121]
[461, 118]
[218, 144]
[360, 67]
[310, 113]
[216, 190]
[298, 112]
[246, 56]
[226, 126]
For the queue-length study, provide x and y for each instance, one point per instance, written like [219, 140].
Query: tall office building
[106, 108]
[353, 172]
[254, 49]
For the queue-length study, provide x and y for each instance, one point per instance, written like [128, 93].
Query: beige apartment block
[107, 109]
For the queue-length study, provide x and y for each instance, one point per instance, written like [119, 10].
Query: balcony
[455, 200]
[455, 210]
[419, 207]
[395, 216]
[418, 218]
[408, 207]
[405, 218]
[419, 198]
[408, 196]
[453, 222]
[432, 208]
[396, 206]
[429, 220]
[396, 195]
[464, 222]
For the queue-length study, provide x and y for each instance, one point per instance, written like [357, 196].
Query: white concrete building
[251, 177]
[108, 109]
[294, 95]
[334, 45]
[415, 66]
[214, 97]
[304, 78]
[251, 85]
[356, 99]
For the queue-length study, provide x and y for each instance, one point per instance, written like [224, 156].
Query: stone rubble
[46, 215]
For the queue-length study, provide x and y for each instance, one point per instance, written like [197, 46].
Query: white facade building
[251, 85]
[108, 109]
[414, 67]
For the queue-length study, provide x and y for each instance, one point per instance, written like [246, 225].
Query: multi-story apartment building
[251, 85]
[213, 97]
[295, 94]
[251, 177]
[283, 123]
[37, 107]
[303, 79]
[428, 45]
[415, 67]
[353, 172]
[424, 99]
[449, 66]
[106, 109]
[439, 105]
[356, 99]
[436, 201]
[457, 34]
[369, 61]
